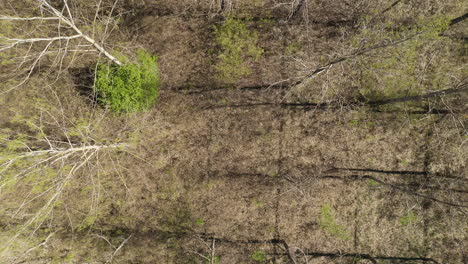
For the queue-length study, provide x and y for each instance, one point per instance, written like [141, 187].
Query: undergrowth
[328, 223]
[131, 87]
[238, 47]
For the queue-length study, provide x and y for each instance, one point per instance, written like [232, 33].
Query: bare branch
[120, 247]
[77, 30]
[27, 18]
[17, 41]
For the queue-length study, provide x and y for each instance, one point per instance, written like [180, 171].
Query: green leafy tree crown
[131, 87]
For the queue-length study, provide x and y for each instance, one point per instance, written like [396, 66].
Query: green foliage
[328, 223]
[215, 259]
[6, 29]
[69, 257]
[131, 87]
[16, 143]
[409, 218]
[177, 221]
[259, 256]
[81, 128]
[418, 63]
[87, 223]
[372, 183]
[43, 181]
[200, 222]
[238, 48]
[257, 203]
[293, 48]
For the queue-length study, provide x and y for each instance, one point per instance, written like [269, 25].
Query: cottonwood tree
[45, 155]
[39, 34]
[43, 150]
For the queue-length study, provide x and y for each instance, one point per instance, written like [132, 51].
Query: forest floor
[260, 171]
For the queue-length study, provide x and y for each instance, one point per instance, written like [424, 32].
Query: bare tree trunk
[70, 23]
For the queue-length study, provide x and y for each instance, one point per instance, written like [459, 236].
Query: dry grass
[242, 167]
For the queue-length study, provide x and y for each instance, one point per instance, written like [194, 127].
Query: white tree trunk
[70, 23]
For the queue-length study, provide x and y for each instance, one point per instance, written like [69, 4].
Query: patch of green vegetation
[199, 222]
[409, 218]
[372, 183]
[224, 101]
[69, 257]
[15, 143]
[81, 128]
[271, 229]
[131, 87]
[259, 256]
[258, 203]
[405, 162]
[266, 22]
[328, 223]
[43, 181]
[87, 223]
[6, 59]
[419, 63]
[215, 259]
[363, 119]
[176, 221]
[238, 48]
[354, 122]
[7, 27]
[293, 48]
[356, 260]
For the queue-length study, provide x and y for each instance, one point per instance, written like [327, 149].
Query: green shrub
[131, 87]
[409, 218]
[259, 256]
[372, 183]
[328, 223]
[238, 47]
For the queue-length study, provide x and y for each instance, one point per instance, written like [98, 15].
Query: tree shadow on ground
[83, 78]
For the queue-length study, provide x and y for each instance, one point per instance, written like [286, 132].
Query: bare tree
[40, 163]
[36, 50]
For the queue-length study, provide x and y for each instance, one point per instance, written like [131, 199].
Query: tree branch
[17, 41]
[70, 23]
